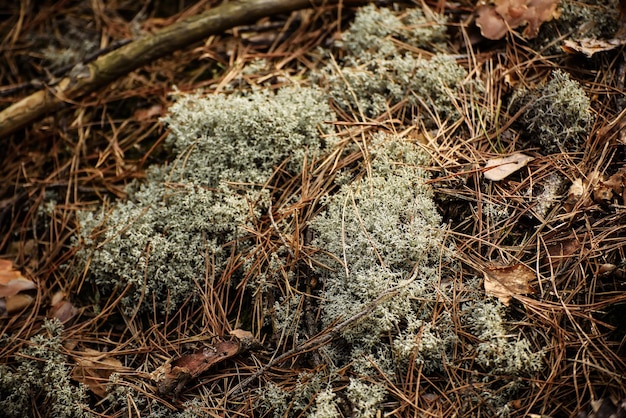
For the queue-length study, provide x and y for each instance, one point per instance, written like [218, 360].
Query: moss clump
[497, 352]
[242, 138]
[375, 233]
[595, 19]
[157, 242]
[42, 378]
[555, 115]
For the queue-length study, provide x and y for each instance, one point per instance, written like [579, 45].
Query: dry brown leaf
[16, 303]
[497, 18]
[564, 248]
[149, 113]
[61, 308]
[590, 46]
[241, 334]
[171, 378]
[506, 282]
[11, 281]
[604, 190]
[93, 368]
[575, 194]
[560, 251]
[503, 167]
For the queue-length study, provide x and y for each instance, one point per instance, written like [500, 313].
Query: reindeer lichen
[42, 376]
[555, 115]
[155, 245]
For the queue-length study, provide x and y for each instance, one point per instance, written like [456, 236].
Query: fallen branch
[84, 79]
[325, 336]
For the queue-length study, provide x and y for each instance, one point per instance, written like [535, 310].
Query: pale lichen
[155, 245]
[555, 116]
[42, 377]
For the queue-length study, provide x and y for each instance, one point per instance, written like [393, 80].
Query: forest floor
[545, 243]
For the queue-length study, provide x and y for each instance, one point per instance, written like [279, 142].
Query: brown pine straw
[86, 154]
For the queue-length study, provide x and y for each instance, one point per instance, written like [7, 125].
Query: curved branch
[84, 79]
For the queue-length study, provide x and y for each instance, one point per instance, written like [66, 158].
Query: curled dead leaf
[16, 303]
[503, 167]
[148, 113]
[606, 189]
[171, 378]
[574, 194]
[497, 18]
[563, 248]
[590, 46]
[246, 339]
[507, 282]
[606, 268]
[560, 251]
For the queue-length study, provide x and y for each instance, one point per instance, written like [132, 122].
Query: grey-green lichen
[555, 115]
[243, 137]
[325, 405]
[126, 400]
[592, 19]
[376, 232]
[292, 402]
[497, 352]
[381, 70]
[365, 397]
[379, 230]
[42, 377]
[156, 245]
[373, 31]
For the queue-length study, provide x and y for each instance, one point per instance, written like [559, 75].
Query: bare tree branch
[84, 79]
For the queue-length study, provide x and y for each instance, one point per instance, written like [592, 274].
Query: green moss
[555, 115]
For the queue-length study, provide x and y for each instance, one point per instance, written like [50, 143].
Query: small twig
[327, 335]
[280, 235]
[52, 79]
[84, 79]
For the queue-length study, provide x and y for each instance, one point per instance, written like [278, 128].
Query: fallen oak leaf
[507, 282]
[499, 168]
